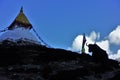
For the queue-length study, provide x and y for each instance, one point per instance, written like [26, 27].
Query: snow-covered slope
[18, 33]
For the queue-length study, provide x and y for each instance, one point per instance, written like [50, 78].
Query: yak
[98, 54]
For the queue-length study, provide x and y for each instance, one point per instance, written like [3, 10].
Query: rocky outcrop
[37, 62]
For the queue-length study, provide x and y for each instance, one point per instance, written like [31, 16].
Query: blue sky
[59, 22]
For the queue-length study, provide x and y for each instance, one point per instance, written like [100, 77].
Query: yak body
[98, 54]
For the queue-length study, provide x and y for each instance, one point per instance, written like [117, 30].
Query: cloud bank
[77, 43]
[115, 56]
[113, 38]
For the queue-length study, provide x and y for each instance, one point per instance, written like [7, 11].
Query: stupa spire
[20, 21]
[21, 10]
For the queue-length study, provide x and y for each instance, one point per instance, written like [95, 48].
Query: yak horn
[86, 44]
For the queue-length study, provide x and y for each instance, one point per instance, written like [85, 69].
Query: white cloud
[77, 43]
[115, 56]
[114, 36]
[104, 45]
[93, 35]
[76, 46]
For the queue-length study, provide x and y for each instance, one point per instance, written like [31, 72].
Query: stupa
[19, 29]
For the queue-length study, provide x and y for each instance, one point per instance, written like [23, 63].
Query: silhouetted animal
[98, 54]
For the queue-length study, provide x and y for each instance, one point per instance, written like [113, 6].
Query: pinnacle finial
[21, 10]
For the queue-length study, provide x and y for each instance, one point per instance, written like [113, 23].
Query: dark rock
[37, 62]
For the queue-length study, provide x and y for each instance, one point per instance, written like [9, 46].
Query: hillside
[23, 60]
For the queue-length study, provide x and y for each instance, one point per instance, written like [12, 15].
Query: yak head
[92, 47]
